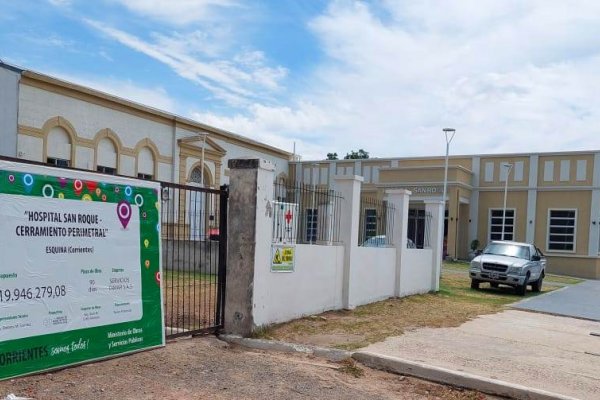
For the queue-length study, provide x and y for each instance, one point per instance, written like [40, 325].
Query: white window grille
[312, 219]
[562, 224]
[370, 223]
[495, 232]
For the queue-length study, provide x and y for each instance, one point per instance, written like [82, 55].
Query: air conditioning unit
[285, 222]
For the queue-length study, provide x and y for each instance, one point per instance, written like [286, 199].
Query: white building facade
[56, 122]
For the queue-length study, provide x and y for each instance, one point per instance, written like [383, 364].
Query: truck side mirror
[535, 257]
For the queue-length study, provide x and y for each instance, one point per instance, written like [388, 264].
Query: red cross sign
[288, 217]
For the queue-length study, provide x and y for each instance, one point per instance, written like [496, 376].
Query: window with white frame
[561, 229]
[59, 162]
[370, 222]
[312, 216]
[496, 215]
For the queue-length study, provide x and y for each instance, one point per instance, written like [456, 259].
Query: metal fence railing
[194, 240]
[306, 214]
[376, 223]
[419, 228]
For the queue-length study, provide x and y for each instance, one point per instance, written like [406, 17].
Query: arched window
[196, 176]
[145, 168]
[58, 150]
[107, 157]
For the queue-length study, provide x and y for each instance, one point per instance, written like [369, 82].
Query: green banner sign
[80, 269]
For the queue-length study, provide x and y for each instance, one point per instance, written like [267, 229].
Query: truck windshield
[509, 250]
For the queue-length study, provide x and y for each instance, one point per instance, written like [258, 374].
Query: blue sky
[386, 76]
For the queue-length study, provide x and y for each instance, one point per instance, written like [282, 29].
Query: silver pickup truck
[509, 263]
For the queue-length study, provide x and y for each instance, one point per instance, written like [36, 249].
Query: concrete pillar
[400, 199]
[249, 238]
[436, 239]
[349, 188]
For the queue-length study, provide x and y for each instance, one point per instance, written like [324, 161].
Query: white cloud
[508, 75]
[178, 12]
[234, 82]
[156, 97]
[60, 3]
[277, 126]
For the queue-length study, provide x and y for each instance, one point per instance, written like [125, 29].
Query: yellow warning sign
[282, 258]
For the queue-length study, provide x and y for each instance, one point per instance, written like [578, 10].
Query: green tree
[356, 155]
[332, 156]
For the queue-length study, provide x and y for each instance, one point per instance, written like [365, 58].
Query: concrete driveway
[579, 301]
[547, 352]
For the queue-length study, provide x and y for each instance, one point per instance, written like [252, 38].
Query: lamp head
[448, 130]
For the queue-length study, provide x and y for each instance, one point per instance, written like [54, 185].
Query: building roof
[187, 123]
[484, 155]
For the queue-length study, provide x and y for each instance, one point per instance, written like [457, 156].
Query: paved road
[538, 350]
[580, 301]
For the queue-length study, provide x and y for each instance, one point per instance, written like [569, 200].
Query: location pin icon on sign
[124, 213]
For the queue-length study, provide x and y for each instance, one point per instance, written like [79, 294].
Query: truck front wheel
[521, 289]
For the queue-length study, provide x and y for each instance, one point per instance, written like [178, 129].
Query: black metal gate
[194, 250]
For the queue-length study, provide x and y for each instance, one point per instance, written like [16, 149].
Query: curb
[455, 378]
[273, 345]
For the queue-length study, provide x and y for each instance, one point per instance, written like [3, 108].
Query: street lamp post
[449, 133]
[204, 135]
[508, 169]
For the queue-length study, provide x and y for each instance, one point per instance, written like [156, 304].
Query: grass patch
[262, 332]
[348, 366]
[453, 305]
[567, 280]
[456, 264]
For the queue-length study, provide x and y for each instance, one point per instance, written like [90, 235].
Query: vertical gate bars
[194, 222]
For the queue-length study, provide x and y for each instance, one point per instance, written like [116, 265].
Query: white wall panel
[31, 148]
[581, 170]
[565, 170]
[489, 172]
[548, 171]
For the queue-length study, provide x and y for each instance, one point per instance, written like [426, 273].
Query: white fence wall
[324, 277]
[416, 272]
[315, 286]
[373, 271]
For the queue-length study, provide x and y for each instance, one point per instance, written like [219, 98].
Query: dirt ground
[206, 368]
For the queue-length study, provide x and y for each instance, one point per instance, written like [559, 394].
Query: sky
[335, 75]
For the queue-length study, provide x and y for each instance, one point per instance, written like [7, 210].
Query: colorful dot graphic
[28, 180]
[48, 191]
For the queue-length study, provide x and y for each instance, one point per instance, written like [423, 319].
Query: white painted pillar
[594, 230]
[349, 188]
[474, 206]
[299, 172]
[532, 199]
[400, 199]
[436, 208]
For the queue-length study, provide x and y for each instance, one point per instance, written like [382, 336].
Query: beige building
[553, 200]
[53, 121]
